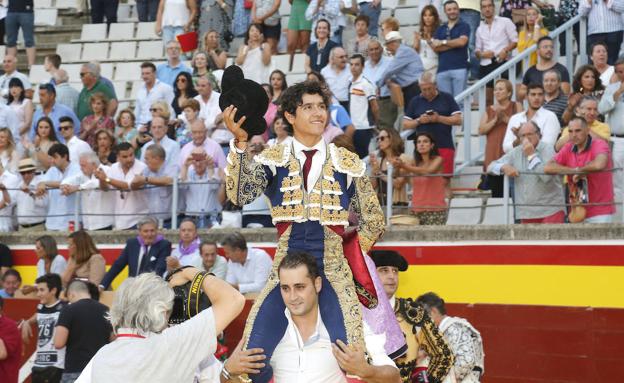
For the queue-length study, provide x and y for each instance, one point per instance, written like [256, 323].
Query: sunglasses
[65, 127]
[154, 110]
[381, 138]
[82, 74]
[27, 172]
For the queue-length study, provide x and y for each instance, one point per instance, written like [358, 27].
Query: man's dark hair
[544, 38]
[450, 2]
[148, 64]
[535, 85]
[51, 89]
[54, 59]
[53, 281]
[292, 98]
[12, 272]
[59, 149]
[122, 147]
[206, 243]
[430, 300]
[235, 241]
[84, 286]
[297, 258]
[363, 18]
[358, 57]
[66, 119]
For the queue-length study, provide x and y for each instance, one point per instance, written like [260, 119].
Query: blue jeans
[13, 22]
[373, 16]
[147, 9]
[169, 33]
[337, 36]
[452, 81]
[361, 141]
[473, 19]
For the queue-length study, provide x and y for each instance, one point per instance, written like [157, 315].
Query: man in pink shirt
[589, 158]
[199, 134]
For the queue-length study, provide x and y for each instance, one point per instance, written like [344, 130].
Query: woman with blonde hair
[125, 131]
[391, 147]
[217, 56]
[96, 121]
[531, 31]
[9, 157]
[85, 260]
[494, 126]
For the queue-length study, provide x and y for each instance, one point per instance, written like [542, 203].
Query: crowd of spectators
[105, 168]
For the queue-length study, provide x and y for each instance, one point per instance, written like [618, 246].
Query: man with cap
[420, 331]
[404, 69]
[310, 186]
[31, 210]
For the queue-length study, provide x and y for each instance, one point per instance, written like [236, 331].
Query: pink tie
[307, 165]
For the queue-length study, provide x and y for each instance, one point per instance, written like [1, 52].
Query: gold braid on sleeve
[430, 339]
[245, 179]
[371, 219]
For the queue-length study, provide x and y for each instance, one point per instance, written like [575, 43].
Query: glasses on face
[65, 127]
[381, 138]
[27, 172]
[154, 110]
[181, 79]
[82, 74]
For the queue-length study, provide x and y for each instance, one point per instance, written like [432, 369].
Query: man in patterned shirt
[465, 341]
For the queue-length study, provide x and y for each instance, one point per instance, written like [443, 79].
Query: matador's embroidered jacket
[313, 221]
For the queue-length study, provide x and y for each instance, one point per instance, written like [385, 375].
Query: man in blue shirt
[404, 69]
[50, 108]
[62, 210]
[450, 42]
[434, 112]
[167, 72]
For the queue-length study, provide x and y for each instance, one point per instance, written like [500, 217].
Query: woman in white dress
[254, 57]
[599, 57]
[9, 157]
[429, 22]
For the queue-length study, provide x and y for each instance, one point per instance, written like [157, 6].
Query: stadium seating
[464, 211]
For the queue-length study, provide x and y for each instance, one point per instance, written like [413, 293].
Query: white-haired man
[338, 75]
[139, 316]
[65, 93]
[96, 205]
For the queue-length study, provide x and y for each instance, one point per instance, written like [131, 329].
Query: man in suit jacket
[143, 254]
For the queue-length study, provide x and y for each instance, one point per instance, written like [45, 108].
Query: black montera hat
[388, 258]
[247, 96]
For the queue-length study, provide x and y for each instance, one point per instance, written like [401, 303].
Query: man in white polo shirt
[151, 90]
[363, 106]
[248, 268]
[306, 353]
[130, 204]
[338, 76]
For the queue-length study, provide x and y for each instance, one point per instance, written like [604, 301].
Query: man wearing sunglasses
[75, 145]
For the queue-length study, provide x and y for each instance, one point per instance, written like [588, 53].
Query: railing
[478, 89]
[174, 211]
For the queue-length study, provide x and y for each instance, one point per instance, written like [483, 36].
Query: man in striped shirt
[554, 99]
[604, 23]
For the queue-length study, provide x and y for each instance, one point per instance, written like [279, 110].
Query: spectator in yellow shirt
[531, 32]
[588, 108]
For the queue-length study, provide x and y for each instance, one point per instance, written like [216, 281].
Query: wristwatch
[444, 42]
[107, 180]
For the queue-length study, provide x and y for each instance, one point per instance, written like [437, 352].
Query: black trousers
[101, 9]
[46, 375]
[410, 92]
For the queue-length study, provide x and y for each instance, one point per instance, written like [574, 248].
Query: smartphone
[430, 112]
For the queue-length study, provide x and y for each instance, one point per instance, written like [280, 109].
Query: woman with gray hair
[146, 349]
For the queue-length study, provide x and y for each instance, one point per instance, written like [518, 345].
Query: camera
[189, 299]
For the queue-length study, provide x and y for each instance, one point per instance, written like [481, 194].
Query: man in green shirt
[89, 75]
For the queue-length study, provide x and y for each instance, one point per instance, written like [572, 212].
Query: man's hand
[245, 361]
[510, 171]
[69, 189]
[172, 263]
[229, 114]
[41, 189]
[100, 175]
[424, 119]
[351, 359]
[397, 163]
[138, 181]
[182, 277]
[527, 147]
[516, 131]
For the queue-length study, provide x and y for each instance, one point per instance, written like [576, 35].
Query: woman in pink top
[428, 192]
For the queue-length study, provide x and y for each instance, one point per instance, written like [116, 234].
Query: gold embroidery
[345, 161]
[371, 219]
[287, 213]
[245, 180]
[276, 155]
[339, 275]
[421, 332]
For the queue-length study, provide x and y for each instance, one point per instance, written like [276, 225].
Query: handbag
[577, 211]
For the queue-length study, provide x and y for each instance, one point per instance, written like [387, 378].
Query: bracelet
[225, 373]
